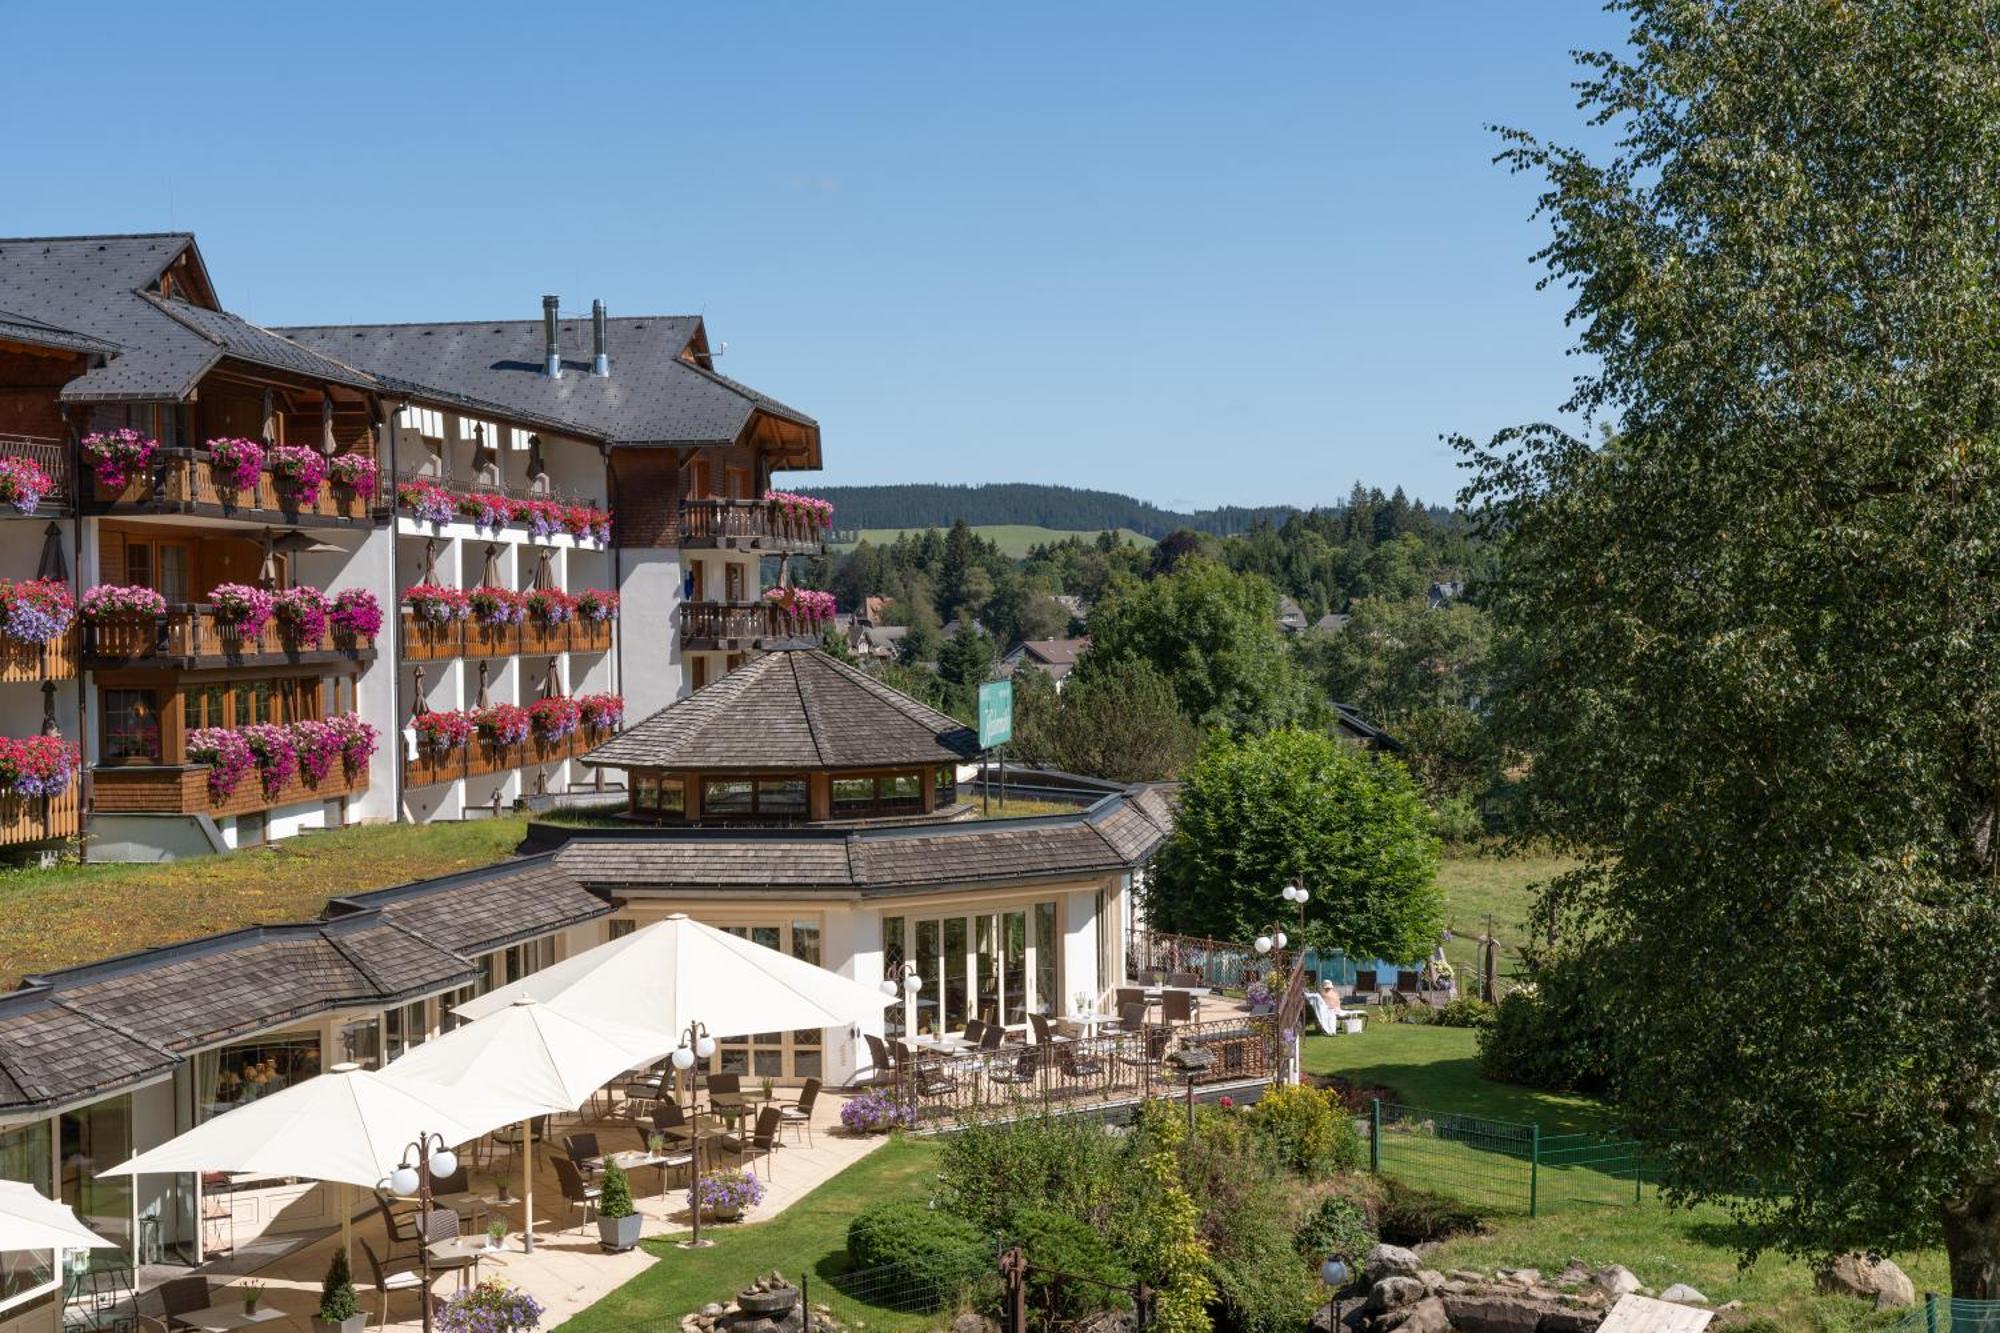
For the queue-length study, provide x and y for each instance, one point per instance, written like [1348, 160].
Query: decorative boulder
[1877, 1280]
[1390, 1261]
[1616, 1280]
[1682, 1294]
[1394, 1292]
[1426, 1316]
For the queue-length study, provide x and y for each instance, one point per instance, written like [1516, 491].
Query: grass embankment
[74, 914]
[808, 1239]
[1486, 888]
[1437, 1069]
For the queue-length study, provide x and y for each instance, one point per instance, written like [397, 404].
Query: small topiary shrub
[1307, 1130]
[616, 1199]
[926, 1257]
[1339, 1225]
[337, 1299]
[1056, 1245]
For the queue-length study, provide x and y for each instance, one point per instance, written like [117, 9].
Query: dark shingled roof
[1119, 832]
[652, 396]
[14, 328]
[90, 1030]
[90, 285]
[791, 709]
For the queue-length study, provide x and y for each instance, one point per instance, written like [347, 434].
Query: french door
[996, 966]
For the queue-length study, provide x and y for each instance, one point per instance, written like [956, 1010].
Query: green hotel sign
[996, 713]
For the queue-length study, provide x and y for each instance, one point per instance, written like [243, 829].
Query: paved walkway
[567, 1270]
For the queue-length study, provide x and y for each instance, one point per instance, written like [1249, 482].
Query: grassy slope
[808, 1238]
[1478, 887]
[80, 913]
[1013, 539]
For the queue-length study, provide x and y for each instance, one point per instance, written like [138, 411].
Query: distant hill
[1015, 540]
[1059, 508]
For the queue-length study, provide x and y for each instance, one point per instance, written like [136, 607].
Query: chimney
[551, 348]
[600, 360]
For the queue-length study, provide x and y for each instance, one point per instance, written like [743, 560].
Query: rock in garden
[1431, 1278]
[1570, 1321]
[1390, 1261]
[1682, 1294]
[1494, 1314]
[1877, 1280]
[1467, 1275]
[1520, 1277]
[1616, 1280]
[1426, 1316]
[1575, 1272]
[1391, 1293]
[971, 1323]
[712, 1309]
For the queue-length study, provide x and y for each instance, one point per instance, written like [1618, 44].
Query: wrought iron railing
[752, 523]
[51, 455]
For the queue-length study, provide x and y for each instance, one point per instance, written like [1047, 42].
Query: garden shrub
[1552, 1034]
[1339, 1225]
[1159, 1228]
[1263, 1284]
[931, 1256]
[1467, 1011]
[1307, 1130]
[1057, 1244]
[1067, 1164]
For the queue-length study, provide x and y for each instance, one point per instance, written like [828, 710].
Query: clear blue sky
[1199, 253]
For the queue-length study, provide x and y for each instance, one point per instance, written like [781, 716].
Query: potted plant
[339, 1308]
[22, 483]
[496, 1232]
[873, 1112]
[500, 1188]
[490, 1307]
[252, 1293]
[765, 1085]
[723, 1196]
[656, 1144]
[1259, 997]
[618, 1222]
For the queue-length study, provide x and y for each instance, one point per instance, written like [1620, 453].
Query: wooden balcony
[483, 758]
[748, 525]
[32, 663]
[182, 789]
[424, 641]
[26, 819]
[53, 456]
[188, 637]
[184, 481]
[731, 627]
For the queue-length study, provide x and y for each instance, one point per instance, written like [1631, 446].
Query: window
[853, 796]
[449, 1021]
[94, 1138]
[622, 926]
[525, 959]
[891, 793]
[360, 1042]
[1048, 999]
[781, 796]
[900, 791]
[27, 1155]
[131, 727]
[404, 1028]
[892, 967]
[727, 796]
[659, 797]
[732, 584]
[227, 1078]
[425, 421]
[947, 785]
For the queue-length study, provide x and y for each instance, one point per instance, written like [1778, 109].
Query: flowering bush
[275, 751]
[727, 1189]
[35, 610]
[301, 613]
[449, 730]
[554, 717]
[601, 712]
[116, 456]
[549, 606]
[601, 526]
[503, 724]
[297, 472]
[874, 1113]
[37, 765]
[1258, 995]
[353, 472]
[496, 606]
[808, 509]
[806, 603]
[108, 601]
[543, 517]
[597, 604]
[433, 605]
[490, 1307]
[240, 607]
[426, 501]
[355, 612]
[225, 752]
[486, 510]
[586, 523]
[22, 483]
[318, 745]
[238, 462]
[357, 741]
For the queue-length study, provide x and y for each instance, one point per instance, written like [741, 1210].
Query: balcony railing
[748, 525]
[52, 456]
[482, 757]
[38, 818]
[427, 641]
[182, 789]
[185, 480]
[1156, 955]
[736, 627]
[189, 635]
[512, 490]
[31, 663]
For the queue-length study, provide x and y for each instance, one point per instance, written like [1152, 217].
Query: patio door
[996, 966]
[797, 1054]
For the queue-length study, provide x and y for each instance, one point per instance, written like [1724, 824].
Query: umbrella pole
[346, 1222]
[528, 1185]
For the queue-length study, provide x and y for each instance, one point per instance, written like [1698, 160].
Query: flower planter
[352, 1324]
[618, 1234]
[537, 637]
[726, 1212]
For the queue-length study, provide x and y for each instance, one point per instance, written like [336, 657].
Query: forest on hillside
[1064, 508]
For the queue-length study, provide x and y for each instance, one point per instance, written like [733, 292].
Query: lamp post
[902, 980]
[424, 1157]
[1335, 1273]
[1295, 892]
[692, 1054]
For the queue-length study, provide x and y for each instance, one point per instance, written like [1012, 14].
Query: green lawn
[1437, 1069]
[75, 914]
[1013, 539]
[808, 1239]
[1480, 888]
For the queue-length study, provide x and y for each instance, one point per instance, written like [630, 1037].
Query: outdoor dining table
[459, 1247]
[1085, 1024]
[222, 1318]
[631, 1161]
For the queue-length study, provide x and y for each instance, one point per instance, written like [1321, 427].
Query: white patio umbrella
[350, 1125]
[530, 1052]
[690, 983]
[31, 1221]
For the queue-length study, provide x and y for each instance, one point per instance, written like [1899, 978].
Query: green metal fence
[1501, 1165]
[1948, 1314]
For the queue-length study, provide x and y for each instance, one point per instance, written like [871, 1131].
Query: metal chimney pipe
[600, 360]
[551, 348]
